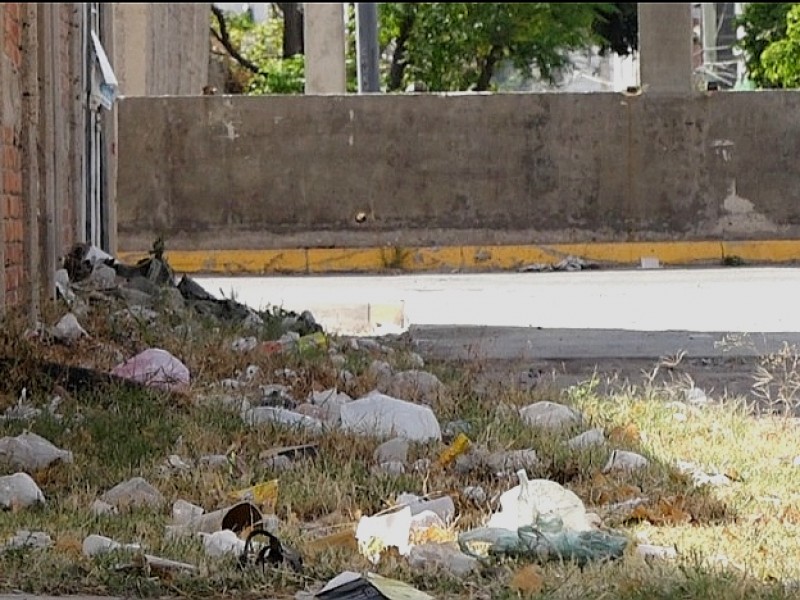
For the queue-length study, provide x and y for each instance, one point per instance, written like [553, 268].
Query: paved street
[721, 299]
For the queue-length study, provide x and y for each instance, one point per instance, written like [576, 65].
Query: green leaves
[765, 24]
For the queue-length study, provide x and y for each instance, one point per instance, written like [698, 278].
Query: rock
[68, 330]
[549, 415]
[134, 493]
[330, 402]
[593, 437]
[474, 493]
[416, 361]
[244, 344]
[392, 467]
[103, 508]
[696, 396]
[30, 452]
[22, 410]
[537, 498]
[338, 361]
[312, 411]
[394, 450]
[19, 491]
[155, 368]
[176, 463]
[380, 415]
[422, 521]
[367, 344]
[277, 395]
[381, 371]
[183, 512]
[447, 557]
[511, 461]
[28, 539]
[422, 465]
[623, 460]
[662, 552]
[280, 416]
[95, 545]
[103, 277]
[416, 386]
[453, 428]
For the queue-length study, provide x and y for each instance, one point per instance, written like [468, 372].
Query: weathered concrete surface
[270, 172]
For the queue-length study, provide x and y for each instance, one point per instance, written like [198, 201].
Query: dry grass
[736, 541]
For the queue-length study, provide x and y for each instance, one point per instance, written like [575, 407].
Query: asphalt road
[733, 299]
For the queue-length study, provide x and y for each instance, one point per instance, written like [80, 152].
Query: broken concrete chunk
[511, 461]
[244, 344]
[380, 415]
[30, 452]
[183, 512]
[447, 557]
[416, 386]
[442, 506]
[475, 493]
[549, 415]
[593, 437]
[395, 450]
[68, 330]
[103, 277]
[19, 491]
[392, 467]
[134, 493]
[623, 460]
[213, 461]
[155, 368]
[381, 371]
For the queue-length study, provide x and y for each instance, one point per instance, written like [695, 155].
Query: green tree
[458, 46]
[780, 60]
[763, 25]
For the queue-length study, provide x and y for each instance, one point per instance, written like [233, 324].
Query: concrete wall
[280, 172]
[161, 49]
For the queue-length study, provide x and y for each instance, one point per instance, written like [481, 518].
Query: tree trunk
[399, 58]
[487, 69]
[293, 42]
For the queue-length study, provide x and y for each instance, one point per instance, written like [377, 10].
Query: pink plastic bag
[155, 368]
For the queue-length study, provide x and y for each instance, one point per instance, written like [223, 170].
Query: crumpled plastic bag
[155, 368]
[545, 541]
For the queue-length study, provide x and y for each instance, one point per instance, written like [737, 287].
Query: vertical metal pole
[367, 47]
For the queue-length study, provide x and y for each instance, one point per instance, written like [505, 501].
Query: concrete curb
[467, 258]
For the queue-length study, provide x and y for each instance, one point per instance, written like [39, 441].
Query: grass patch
[734, 541]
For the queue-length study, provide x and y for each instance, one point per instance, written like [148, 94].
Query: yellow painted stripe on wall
[390, 259]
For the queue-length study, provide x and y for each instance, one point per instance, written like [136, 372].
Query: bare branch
[224, 38]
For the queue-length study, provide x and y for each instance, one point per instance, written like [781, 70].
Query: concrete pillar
[665, 47]
[130, 61]
[324, 48]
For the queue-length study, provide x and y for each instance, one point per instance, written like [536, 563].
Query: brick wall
[10, 141]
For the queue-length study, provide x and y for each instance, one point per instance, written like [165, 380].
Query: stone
[278, 463]
[68, 330]
[392, 467]
[380, 415]
[442, 506]
[19, 491]
[658, 552]
[696, 396]
[593, 437]
[155, 368]
[415, 360]
[280, 416]
[244, 344]
[213, 461]
[474, 493]
[447, 557]
[275, 394]
[381, 371]
[623, 460]
[510, 461]
[103, 508]
[549, 415]
[330, 402]
[134, 493]
[30, 452]
[395, 450]
[28, 539]
[416, 386]
[103, 277]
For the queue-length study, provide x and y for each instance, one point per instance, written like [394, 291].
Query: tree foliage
[781, 59]
[764, 24]
[457, 46]
[446, 46]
